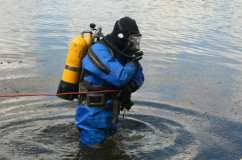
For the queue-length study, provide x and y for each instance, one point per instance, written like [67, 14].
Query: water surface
[188, 108]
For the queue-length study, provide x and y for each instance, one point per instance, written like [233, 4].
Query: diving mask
[134, 41]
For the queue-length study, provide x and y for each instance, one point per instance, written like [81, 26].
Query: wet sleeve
[104, 65]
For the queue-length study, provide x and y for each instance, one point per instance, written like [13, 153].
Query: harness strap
[96, 61]
[116, 107]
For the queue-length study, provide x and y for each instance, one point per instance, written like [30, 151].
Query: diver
[110, 64]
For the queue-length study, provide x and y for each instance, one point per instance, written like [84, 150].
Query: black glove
[137, 56]
[124, 94]
[127, 105]
[132, 85]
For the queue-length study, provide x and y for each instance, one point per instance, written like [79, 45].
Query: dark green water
[188, 108]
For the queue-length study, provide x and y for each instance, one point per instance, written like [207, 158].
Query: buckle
[95, 99]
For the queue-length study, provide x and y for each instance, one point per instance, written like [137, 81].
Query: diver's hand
[132, 85]
[138, 56]
[127, 105]
[124, 94]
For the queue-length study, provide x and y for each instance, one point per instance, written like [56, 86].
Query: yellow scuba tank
[71, 74]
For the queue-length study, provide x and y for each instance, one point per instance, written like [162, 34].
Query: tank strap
[72, 68]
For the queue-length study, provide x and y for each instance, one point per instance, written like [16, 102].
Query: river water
[188, 108]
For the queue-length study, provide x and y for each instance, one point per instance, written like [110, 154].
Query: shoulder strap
[96, 61]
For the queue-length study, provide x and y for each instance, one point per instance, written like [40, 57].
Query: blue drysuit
[93, 123]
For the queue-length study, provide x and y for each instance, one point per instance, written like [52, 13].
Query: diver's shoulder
[99, 48]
